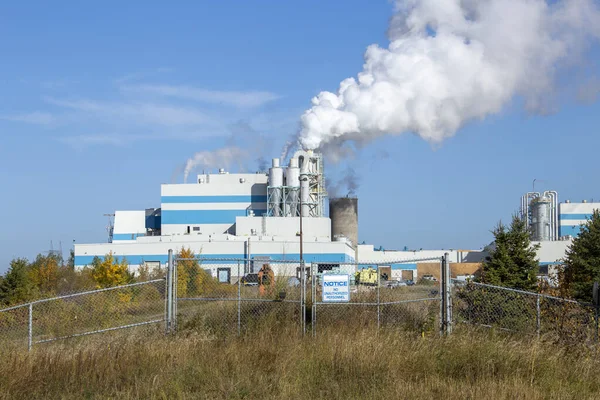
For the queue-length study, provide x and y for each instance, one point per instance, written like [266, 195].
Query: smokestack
[343, 212]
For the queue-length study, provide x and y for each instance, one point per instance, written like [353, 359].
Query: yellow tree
[110, 272]
[44, 272]
[191, 279]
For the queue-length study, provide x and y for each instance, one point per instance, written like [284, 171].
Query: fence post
[239, 319]
[314, 300]
[538, 320]
[303, 295]
[175, 294]
[442, 299]
[378, 299]
[448, 296]
[446, 302]
[30, 327]
[169, 292]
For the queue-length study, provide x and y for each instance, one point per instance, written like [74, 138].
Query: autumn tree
[110, 272]
[17, 286]
[191, 279]
[44, 273]
[512, 260]
[582, 262]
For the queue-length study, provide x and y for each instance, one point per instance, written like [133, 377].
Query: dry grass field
[341, 363]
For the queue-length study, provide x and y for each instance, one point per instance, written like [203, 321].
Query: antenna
[110, 227]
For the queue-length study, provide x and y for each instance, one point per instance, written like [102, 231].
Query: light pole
[303, 178]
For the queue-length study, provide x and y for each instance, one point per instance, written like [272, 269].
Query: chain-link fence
[231, 297]
[523, 312]
[224, 297]
[84, 313]
[359, 296]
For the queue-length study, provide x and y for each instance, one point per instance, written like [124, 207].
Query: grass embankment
[339, 363]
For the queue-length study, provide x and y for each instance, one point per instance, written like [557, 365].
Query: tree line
[50, 275]
[512, 261]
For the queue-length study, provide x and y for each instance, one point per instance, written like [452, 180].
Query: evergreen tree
[512, 262]
[17, 286]
[582, 262]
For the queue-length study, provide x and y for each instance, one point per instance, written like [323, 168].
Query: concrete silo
[343, 212]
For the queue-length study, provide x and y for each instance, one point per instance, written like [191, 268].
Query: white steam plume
[220, 158]
[451, 61]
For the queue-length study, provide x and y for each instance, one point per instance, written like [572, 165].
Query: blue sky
[101, 103]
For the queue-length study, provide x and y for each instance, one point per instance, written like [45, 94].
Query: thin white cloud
[36, 118]
[250, 99]
[82, 141]
[137, 113]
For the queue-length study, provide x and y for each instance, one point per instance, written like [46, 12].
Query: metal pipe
[169, 291]
[175, 295]
[378, 299]
[30, 327]
[314, 302]
[302, 179]
[239, 319]
[538, 320]
[442, 299]
[448, 297]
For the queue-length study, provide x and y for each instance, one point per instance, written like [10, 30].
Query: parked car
[393, 284]
[250, 280]
[429, 278]
[409, 282]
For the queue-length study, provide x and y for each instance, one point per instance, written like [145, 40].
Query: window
[224, 275]
[152, 264]
[326, 267]
[196, 229]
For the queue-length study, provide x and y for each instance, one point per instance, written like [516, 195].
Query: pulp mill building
[253, 217]
[256, 217]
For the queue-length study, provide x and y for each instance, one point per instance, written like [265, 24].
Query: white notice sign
[336, 288]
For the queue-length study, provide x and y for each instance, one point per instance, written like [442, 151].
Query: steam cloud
[449, 62]
[346, 186]
[223, 157]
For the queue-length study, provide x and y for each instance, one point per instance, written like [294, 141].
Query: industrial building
[553, 224]
[252, 217]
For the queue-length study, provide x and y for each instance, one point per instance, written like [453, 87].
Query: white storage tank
[541, 218]
[275, 188]
[292, 182]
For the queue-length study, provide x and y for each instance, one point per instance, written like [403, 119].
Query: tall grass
[280, 364]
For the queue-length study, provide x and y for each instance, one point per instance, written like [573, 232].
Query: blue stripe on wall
[127, 236]
[216, 259]
[564, 230]
[574, 216]
[198, 217]
[214, 199]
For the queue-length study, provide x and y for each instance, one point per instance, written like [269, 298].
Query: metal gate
[377, 297]
[222, 297]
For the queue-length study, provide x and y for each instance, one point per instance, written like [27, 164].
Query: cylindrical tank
[540, 218]
[275, 187]
[343, 212]
[292, 177]
[304, 193]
